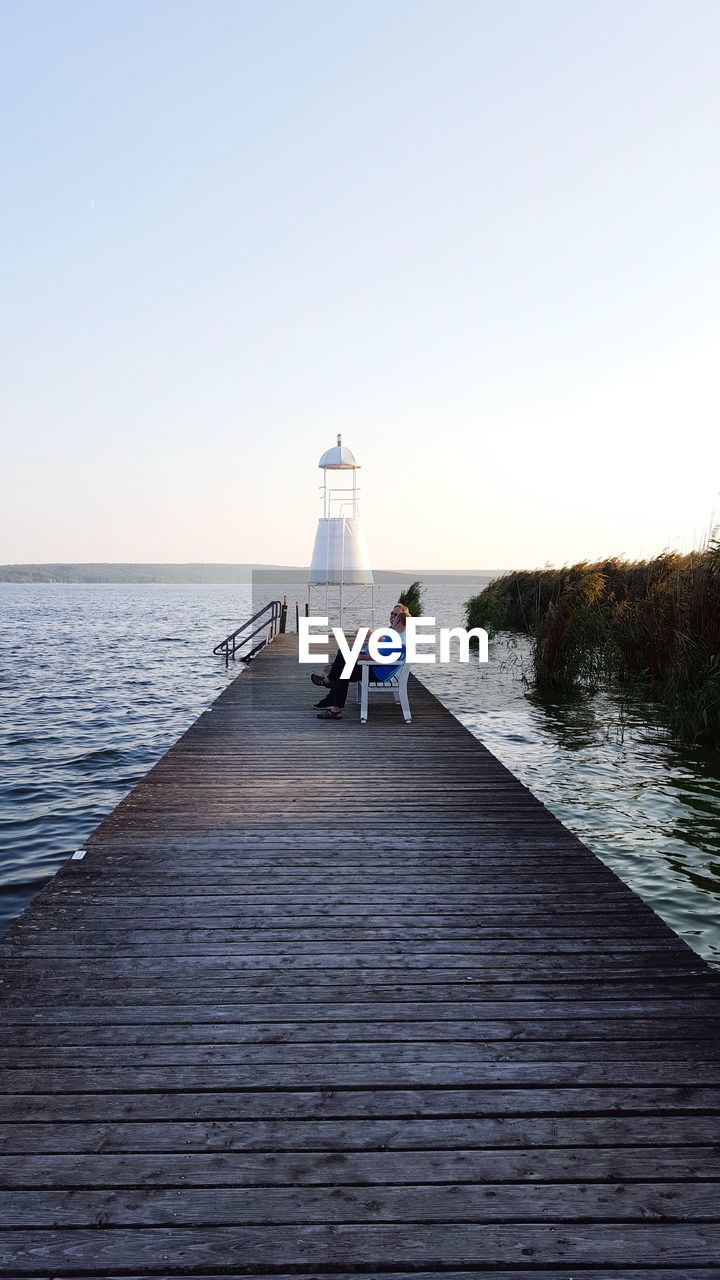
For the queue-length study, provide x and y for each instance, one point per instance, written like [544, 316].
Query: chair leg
[364, 690]
[405, 704]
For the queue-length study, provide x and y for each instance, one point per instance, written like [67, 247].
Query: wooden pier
[335, 1000]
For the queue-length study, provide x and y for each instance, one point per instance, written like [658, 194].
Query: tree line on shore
[96, 573]
[653, 625]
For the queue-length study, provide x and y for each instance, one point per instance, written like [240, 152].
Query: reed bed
[652, 623]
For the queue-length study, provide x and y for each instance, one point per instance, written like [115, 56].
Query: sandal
[330, 715]
[320, 680]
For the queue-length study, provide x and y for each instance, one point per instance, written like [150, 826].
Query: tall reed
[412, 597]
[652, 622]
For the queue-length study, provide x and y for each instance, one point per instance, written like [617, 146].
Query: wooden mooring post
[324, 999]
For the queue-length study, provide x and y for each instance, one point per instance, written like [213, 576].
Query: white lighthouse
[340, 558]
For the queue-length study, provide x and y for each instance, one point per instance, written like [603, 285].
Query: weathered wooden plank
[333, 1168]
[363, 1104]
[386, 912]
[326, 1031]
[272, 1004]
[611, 1202]
[392, 942]
[366, 1075]
[81, 942]
[361, 1134]
[351, 1053]
[379, 1273]
[368, 1245]
[98, 1024]
[465, 906]
[59, 996]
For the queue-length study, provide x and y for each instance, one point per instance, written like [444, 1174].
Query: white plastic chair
[396, 685]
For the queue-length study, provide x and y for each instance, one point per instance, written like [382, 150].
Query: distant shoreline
[220, 574]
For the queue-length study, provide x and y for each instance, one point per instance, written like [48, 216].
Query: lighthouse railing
[269, 622]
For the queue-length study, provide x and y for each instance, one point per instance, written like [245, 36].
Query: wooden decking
[325, 999]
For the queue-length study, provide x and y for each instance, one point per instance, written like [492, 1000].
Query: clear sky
[481, 239]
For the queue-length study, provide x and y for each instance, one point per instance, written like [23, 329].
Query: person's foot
[321, 680]
[324, 702]
[330, 714]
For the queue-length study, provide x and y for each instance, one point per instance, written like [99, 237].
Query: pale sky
[480, 239]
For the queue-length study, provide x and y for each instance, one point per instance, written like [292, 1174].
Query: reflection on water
[646, 806]
[96, 682]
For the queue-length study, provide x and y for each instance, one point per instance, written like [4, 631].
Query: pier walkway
[328, 1000]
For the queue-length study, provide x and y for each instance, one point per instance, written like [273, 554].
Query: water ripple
[104, 681]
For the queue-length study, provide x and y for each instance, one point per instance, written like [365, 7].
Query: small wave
[19, 791]
[97, 756]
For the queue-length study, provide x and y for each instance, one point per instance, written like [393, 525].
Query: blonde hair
[401, 608]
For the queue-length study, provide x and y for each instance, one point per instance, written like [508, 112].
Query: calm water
[97, 681]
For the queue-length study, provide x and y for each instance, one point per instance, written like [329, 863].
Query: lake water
[96, 682]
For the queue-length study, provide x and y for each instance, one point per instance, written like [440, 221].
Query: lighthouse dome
[339, 458]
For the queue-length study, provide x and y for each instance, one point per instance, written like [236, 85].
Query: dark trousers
[339, 688]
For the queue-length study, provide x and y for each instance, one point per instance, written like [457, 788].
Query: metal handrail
[271, 623]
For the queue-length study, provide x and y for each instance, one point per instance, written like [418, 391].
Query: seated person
[337, 697]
